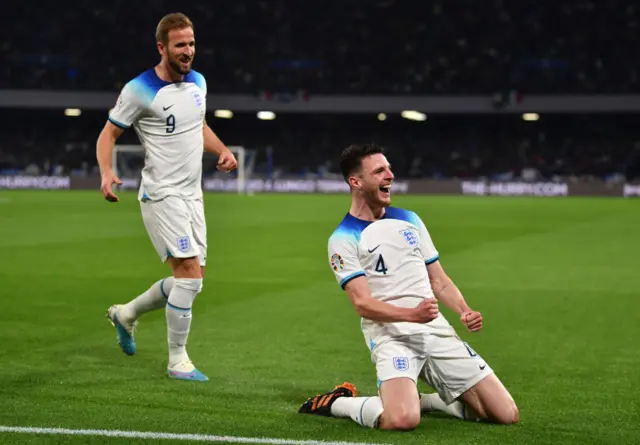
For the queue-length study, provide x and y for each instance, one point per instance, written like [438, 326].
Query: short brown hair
[175, 20]
[352, 156]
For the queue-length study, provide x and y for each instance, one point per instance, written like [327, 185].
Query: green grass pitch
[556, 280]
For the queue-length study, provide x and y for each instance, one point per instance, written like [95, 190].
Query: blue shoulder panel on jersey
[402, 215]
[351, 227]
[147, 85]
[411, 217]
[197, 78]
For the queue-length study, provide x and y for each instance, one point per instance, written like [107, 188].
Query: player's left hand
[227, 162]
[472, 320]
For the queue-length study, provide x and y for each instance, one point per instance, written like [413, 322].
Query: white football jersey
[392, 253]
[168, 118]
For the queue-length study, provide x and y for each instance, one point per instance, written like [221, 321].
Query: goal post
[127, 162]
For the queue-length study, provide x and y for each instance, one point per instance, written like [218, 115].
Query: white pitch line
[170, 436]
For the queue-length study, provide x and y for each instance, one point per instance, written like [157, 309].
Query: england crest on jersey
[409, 237]
[183, 243]
[198, 98]
[401, 363]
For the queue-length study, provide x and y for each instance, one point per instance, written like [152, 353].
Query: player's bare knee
[186, 268]
[513, 415]
[191, 267]
[508, 414]
[400, 421]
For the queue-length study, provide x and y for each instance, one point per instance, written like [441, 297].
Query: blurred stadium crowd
[351, 48]
[497, 147]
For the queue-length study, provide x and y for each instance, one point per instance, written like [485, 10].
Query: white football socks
[366, 411]
[153, 298]
[363, 410]
[178, 312]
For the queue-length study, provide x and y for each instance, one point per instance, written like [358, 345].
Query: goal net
[128, 161]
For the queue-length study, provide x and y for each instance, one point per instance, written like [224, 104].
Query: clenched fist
[426, 311]
[472, 320]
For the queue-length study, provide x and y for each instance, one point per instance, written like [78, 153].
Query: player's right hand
[108, 179]
[427, 310]
[227, 162]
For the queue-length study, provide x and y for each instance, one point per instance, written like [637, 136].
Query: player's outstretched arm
[376, 310]
[226, 160]
[446, 291]
[104, 149]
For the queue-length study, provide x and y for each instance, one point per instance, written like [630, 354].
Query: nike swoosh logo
[374, 249]
[482, 367]
[166, 108]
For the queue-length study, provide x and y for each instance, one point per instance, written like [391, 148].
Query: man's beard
[177, 68]
[373, 197]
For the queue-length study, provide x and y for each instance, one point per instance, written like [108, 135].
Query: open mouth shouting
[385, 190]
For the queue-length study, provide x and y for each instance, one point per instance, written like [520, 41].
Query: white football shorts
[176, 227]
[445, 363]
